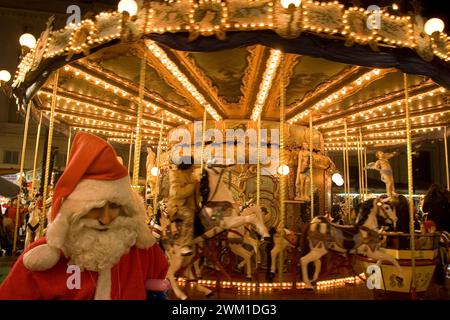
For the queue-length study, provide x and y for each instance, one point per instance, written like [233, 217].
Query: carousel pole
[446, 157]
[49, 151]
[202, 156]
[130, 153]
[36, 151]
[22, 161]
[358, 150]
[345, 173]
[311, 176]
[366, 188]
[137, 144]
[282, 194]
[258, 163]
[158, 164]
[362, 159]
[410, 189]
[347, 169]
[69, 142]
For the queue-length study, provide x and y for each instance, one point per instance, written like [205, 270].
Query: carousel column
[22, 161]
[446, 158]
[282, 191]
[410, 189]
[137, 145]
[311, 165]
[36, 151]
[49, 151]
[158, 164]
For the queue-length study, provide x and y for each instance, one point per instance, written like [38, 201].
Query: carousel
[230, 116]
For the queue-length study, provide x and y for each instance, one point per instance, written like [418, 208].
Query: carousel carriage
[178, 75]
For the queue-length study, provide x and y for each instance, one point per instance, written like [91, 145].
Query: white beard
[91, 249]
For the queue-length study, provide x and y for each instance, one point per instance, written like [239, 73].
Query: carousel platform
[332, 287]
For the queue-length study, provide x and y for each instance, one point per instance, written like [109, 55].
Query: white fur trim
[41, 258]
[103, 287]
[90, 194]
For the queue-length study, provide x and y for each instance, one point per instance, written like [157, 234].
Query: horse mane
[204, 187]
[402, 211]
[363, 211]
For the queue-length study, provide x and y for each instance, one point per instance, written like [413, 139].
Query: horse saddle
[349, 230]
[214, 211]
[348, 233]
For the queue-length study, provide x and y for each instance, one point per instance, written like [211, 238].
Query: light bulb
[433, 25]
[285, 3]
[283, 170]
[129, 6]
[27, 40]
[5, 76]
[154, 171]
[337, 179]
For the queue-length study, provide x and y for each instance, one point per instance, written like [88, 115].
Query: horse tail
[304, 243]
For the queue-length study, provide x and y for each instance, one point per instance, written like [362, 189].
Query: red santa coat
[128, 278]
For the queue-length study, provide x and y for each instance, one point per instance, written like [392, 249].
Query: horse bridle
[384, 215]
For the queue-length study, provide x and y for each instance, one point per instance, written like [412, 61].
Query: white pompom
[41, 258]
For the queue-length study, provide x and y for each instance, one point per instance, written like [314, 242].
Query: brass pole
[311, 164]
[446, 157]
[130, 153]
[410, 189]
[347, 169]
[363, 173]
[22, 162]
[366, 190]
[137, 145]
[202, 156]
[158, 164]
[358, 153]
[345, 173]
[49, 151]
[69, 145]
[258, 163]
[36, 151]
[282, 193]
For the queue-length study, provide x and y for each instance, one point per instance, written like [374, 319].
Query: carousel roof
[100, 65]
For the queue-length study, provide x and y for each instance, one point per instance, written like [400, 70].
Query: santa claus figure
[97, 244]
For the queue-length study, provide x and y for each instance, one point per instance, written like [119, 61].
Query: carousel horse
[363, 238]
[219, 213]
[33, 226]
[280, 242]
[238, 237]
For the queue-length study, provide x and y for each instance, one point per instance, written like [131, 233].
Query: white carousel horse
[33, 226]
[238, 237]
[220, 213]
[280, 243]
[362, 238]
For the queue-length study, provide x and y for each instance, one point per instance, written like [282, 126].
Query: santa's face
[104, 215]
[97, 240]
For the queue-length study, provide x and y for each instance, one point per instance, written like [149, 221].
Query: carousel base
[329, 287]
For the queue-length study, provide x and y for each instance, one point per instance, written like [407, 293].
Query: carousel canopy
[230, 59]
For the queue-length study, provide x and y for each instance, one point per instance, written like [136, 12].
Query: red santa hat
[93, 177]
